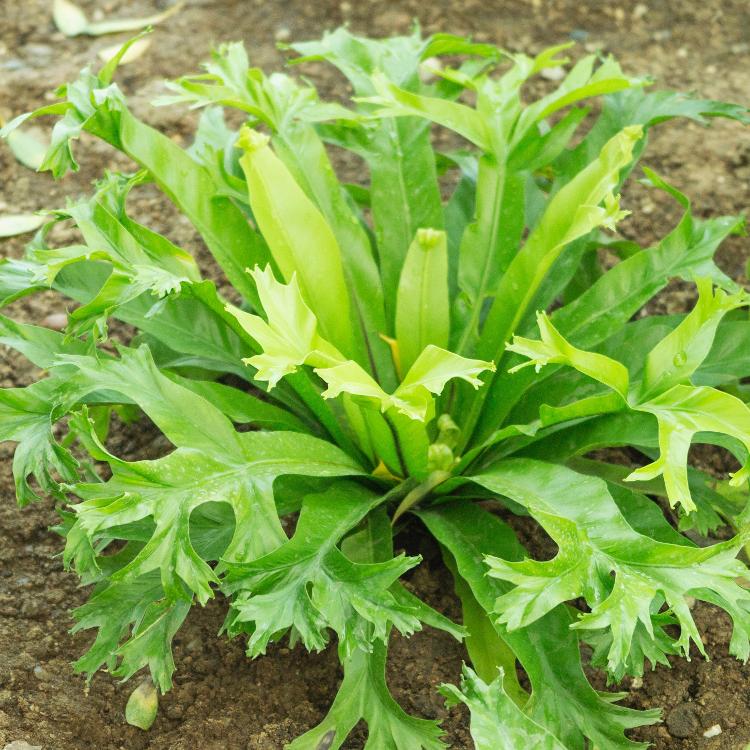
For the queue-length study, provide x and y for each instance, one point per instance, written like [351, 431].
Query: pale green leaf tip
[738, 478]
[250, 140]
[429, 238]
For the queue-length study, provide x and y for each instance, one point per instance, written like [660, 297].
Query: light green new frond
[348, 377]
[581, 82]
[290, 337]
[397, 102]
[298, 235]
[554, 348]
[681, 352]
[414, 397]
[682, 412]
[433, 368]
[497, 723]
[681, 409]
[571, 213]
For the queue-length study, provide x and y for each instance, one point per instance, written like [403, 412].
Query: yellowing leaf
[142, 705]
[14, 224]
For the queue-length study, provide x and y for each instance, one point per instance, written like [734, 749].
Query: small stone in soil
[682, 720]
[56, 321]
[713, 731]
[41, 673]
[557, 73]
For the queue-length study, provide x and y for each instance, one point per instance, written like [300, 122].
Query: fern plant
[388, 359]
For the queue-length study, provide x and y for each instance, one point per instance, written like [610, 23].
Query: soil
[221, 700]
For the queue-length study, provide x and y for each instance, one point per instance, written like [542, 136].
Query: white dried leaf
[15, 224]
[72, 21]
[69, 18]
[131, 24]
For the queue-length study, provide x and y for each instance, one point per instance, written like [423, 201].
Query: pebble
[682, 721]
[579, 35]
[21, 745]
[194, 645]
[41, 673]
[56, 321]
[174, 711]
[38, 52]
[427, 69]
[662, 35]
[32, 608]
[640, 10]
[556, 73]
[713, 731]
[282, 34]
[396, 20]
[12, 64]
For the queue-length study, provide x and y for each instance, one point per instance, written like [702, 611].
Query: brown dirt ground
[221, 700]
